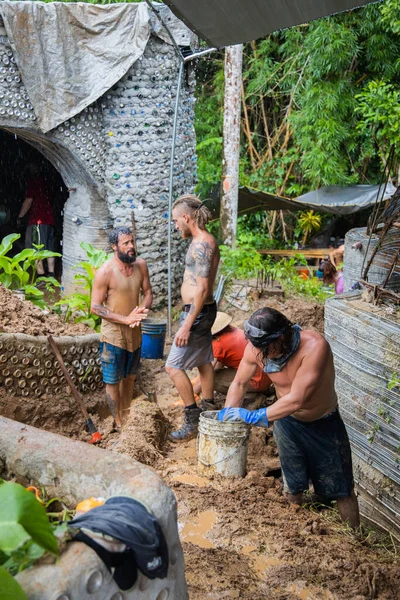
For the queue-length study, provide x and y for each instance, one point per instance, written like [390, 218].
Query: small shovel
[90, 426]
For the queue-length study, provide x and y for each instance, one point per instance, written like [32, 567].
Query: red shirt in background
[40, 211]
[229, 347]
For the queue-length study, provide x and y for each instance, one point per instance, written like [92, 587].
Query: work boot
[208, 404]
[189, 427]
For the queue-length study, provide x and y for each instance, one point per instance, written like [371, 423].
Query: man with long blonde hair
[192, 345]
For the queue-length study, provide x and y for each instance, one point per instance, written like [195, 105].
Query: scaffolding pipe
[171, 178]
[182, 60]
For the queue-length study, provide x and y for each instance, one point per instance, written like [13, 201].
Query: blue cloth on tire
[130, 522]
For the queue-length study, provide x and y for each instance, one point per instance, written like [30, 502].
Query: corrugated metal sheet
[354, 258]
[365, 344]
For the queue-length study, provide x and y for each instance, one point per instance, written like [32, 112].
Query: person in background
[192, 343]
[115, 298]
[308, 429]
[37, 205]
[332, 275]
[336, 256]
[229, 344]
[320, 271]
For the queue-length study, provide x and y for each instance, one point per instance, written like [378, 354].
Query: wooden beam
[309, 253]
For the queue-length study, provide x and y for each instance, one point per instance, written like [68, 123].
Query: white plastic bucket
[222, 446]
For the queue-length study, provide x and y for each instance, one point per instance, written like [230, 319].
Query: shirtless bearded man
[310, 434]
[192, 345]
[115, 298]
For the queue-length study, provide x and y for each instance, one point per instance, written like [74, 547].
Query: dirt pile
[21, 316]
[59, 414]
[310, 315]
[144, 435]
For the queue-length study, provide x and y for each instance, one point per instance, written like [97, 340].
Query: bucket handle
[244, 438]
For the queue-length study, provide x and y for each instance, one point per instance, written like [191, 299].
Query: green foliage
[379, 107]
[23, 518]
[25, 534]
[20, 271]
[391, 15]
[307, 223]
[10, 589]
[244, 262]
[322, 105]
[208, 125]
[240, 262]
[78, 304]
[311, 288]
[394, 381]
[285, 271]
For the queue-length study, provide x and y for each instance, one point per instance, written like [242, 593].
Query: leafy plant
[394, 381]
[25, 535]
[20, 271]
[240, 262]
[78, 304]
[307, 223]
[320, 107]
[244, 262]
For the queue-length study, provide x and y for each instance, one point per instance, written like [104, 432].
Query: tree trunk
[230, 166]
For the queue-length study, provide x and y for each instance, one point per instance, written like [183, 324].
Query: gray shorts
[40, 234]
[198, 351]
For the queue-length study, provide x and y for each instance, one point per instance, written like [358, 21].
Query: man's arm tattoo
[204, 253]
[100, 310]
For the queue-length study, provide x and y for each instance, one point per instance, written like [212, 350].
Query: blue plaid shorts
[117, 363]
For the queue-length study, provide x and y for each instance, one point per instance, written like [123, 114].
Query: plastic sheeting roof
[70, 54]
[227, 22]
[331, 199]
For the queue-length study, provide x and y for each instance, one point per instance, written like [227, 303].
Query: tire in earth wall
[364, 342]
[29, 368]
[356, 258]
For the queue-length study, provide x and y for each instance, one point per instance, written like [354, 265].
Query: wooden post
[230, 165]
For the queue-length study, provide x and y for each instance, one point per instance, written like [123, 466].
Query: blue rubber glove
[251, 417]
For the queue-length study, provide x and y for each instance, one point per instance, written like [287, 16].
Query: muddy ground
[240, 537]
[21, 316]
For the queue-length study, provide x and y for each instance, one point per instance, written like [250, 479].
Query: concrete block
[74, 470]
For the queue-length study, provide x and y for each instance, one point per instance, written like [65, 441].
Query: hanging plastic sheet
[70, 54]
[331, 199]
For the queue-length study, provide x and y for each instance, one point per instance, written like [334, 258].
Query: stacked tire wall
[365, 344]
[29, 368]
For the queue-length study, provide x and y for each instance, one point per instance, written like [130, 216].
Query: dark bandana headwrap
[259, 338]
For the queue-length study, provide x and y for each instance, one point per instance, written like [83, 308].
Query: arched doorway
[81, 212]
[16, 156]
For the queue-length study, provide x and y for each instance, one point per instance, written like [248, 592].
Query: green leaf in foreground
[23, 518]
[10, 588]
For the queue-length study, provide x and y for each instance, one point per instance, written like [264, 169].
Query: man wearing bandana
[310, 434]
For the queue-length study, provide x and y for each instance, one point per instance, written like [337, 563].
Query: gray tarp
[70, 54]
[227, 22]
[331, 199]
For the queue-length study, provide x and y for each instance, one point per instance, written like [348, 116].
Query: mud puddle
[197, 531]
[240, 538]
